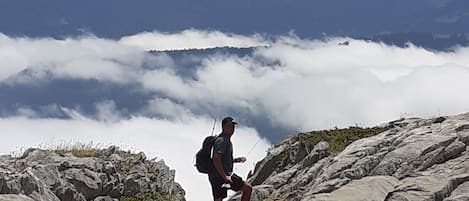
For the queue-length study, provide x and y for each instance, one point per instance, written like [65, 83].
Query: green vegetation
[148, 196]
[337, 138]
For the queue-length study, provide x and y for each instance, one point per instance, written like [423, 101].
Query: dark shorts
[216, 182]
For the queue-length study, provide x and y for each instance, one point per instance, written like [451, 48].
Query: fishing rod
[213, 128]
[252, 148]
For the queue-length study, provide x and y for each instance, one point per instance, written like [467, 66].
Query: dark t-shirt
[224, 147]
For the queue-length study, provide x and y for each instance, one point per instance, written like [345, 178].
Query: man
[223, 162]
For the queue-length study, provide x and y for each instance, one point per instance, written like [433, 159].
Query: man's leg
[240, 185]
[247, 189]
[217, 191]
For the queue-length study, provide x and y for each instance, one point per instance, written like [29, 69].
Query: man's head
[228, 125]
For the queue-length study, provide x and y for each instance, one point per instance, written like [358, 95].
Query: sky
[118, 18]
[115, 92]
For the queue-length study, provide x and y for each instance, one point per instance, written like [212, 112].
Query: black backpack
[203, 158]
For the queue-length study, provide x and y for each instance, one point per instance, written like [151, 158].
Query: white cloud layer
[84, 58]
[175, 142]
[299, 83]
[296, 83]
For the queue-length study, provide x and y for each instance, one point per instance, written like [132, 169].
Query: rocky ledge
[409, 159]
[107, 175]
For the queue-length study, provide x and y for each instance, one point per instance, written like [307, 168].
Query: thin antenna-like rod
[252, 148]
[214, 122]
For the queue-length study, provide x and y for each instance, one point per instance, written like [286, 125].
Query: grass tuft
[337, 138]
[77, 149]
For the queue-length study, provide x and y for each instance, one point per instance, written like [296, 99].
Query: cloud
[107, 111]
[306, 88]
[84, 58]
[297, 84]
[156, 137]
[166, 108]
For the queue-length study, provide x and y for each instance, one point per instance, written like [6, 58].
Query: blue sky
[117, 18]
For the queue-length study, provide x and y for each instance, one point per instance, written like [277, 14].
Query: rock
[109, 168]
[278, 159]
[329, 185]
[298, 152]
[321, 147]
[105, 198]
[462, 128]
[260, 192]
[366, 189]
[140, 157]
[43, 175]
[47, 174]
[361, 168]
[109, 151]
[12, 186]
[12, 197]
[34, 188]
[414, 159]
[113, 189]
[69, 193]
[78, 163]
[464, 137]
[439, 120]
[461, 193]
[281, 178]
[133, 183]
[430, 187]
[85, 181]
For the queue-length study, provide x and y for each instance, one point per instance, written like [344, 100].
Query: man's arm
[241, 159]
[219, 167]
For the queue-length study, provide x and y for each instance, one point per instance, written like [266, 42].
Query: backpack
[203, 158]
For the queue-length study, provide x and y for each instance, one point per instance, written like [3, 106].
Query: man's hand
[241, 159]
[228, 179]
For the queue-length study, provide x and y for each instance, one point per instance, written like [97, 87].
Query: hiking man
[223, 162]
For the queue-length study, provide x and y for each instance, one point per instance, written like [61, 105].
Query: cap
[228, 119]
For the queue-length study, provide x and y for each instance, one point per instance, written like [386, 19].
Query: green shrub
[337, 138]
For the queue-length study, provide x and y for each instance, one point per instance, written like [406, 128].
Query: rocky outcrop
[413, 159]
[108, 175]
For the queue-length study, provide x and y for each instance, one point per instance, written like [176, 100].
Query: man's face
[229, 128]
